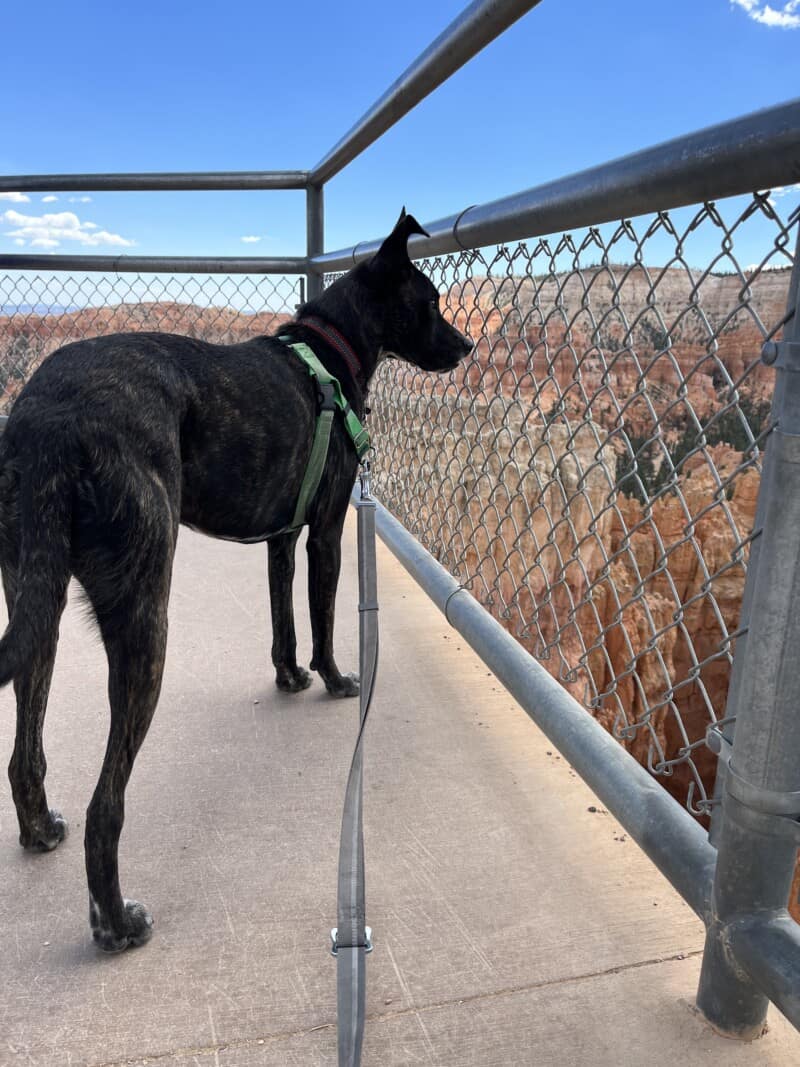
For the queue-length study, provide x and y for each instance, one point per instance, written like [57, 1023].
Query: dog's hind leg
[40, 828]
[127, 579]
[324, 563]
[288, 676]
[136, 653]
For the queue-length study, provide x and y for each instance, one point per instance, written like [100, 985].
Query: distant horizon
[41, 308]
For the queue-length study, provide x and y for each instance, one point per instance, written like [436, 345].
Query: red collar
[335, 340]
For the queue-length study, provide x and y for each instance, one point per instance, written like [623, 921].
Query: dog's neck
[337, 341]
[352, 314]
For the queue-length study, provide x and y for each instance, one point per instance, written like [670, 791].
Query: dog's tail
[42, 524]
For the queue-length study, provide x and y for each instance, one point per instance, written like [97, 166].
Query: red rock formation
[593, 338]
[630, 605]
[25, 339]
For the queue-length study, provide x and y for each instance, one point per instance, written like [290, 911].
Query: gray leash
[351, 938]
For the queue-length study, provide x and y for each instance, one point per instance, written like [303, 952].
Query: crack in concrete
[415, 1011]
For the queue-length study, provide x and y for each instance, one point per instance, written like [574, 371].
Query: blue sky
[248, 85]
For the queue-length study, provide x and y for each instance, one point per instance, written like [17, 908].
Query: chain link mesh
[41, 312]
[591, 473]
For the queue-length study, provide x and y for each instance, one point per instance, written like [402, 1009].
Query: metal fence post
[758, 838]
[728, 728]
[315, 237]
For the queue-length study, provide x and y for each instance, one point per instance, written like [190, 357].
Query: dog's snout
[468, 344]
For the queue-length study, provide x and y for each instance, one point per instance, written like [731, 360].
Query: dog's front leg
[288, 676]
[324, 560]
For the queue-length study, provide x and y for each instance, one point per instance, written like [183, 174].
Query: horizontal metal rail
[757, 151]
[163, 182]
[673, 840]
[471, 31]
[159, 264]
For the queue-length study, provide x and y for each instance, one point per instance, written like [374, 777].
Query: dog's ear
[393, 253]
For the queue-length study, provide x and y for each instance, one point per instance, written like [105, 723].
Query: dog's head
[413, 327]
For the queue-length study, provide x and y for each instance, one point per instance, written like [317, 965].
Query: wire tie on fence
[461, 589]
[355, 251]
[783, 355]
[456, 238]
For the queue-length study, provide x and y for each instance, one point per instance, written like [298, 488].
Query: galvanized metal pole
[163, 182]
[759, 836]
[477, 25]
[157, 264]
[728, 729]
[755, 151]
[315, 237]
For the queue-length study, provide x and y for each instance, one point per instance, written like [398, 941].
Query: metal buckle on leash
[364, 478]
[335, 946]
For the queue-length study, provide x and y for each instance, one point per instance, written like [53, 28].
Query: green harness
[331, 398]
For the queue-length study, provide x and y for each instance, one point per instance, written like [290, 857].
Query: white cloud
[251, 240]
[15, 198]
[20, 242]
[79, 199]
[779, 191]
[786, 17]
[49, 199]
[48, 231]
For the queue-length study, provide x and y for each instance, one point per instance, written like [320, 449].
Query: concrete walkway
[513, 925]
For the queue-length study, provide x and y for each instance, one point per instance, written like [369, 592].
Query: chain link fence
[591, 473]
[40, 312]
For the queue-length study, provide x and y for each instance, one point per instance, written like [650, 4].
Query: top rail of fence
[157, 264]
[172, 181]
[756, 151]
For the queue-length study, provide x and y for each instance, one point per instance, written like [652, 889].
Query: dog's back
[231, 424]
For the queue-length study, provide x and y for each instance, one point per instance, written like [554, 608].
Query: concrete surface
[512, 925]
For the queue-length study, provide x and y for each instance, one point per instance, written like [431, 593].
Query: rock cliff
[26, 338]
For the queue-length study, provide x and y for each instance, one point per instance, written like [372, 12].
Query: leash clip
[364, 478]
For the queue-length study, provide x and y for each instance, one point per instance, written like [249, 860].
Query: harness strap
[331, 398]
[316, 465]
[358, 433]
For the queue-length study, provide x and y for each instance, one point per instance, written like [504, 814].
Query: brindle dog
[117, 440]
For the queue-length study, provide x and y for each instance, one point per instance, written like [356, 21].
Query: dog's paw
[46, 834]
[346, 685]
[137, 927]
[292, 679]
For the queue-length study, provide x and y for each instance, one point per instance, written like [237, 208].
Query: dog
[113, 443]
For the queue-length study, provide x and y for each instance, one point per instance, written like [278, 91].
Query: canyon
[592, 471]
